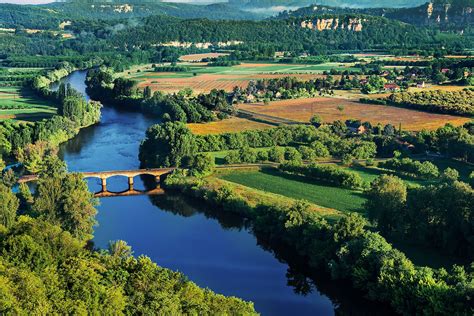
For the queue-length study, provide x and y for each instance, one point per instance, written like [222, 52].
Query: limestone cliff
[322, 24]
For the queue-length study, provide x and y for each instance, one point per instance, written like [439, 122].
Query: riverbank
[342, 247]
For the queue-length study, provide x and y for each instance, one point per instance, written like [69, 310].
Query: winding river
[213, 250]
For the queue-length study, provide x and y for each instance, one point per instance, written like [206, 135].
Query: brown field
[206, 82]
[303, 109]
[199, 57]
[233, 124]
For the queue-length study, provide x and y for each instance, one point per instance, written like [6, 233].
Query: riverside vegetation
[48, 264]
[345, 246]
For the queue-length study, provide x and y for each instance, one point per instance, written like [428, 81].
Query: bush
[291, 154]
[247, 155]
[276, 154]
[232, 157]
[307, 153]
[320, 150]
[202, 164]
[262, 155]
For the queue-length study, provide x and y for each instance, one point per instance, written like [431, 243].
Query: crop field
[297, 187]
[23, 106]
[233, 124]
[203, 78]
[374, 56]
[199, 57]
[332, 109]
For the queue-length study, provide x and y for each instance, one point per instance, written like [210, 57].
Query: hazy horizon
[26, 1]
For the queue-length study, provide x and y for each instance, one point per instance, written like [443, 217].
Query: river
[213, 250]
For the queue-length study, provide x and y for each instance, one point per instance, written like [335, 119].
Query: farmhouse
[392, 87]
[355, 127]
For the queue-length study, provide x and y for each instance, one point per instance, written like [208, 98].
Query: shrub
[307, 153]
[202, 164]
[232, 157]
[291, 154]
[320, 150]
[276, 154]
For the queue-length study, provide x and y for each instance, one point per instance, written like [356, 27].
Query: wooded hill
[338, 3]
[49, 16]
[375, 33]
[446, 14]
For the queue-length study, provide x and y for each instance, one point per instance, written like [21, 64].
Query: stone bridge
[130, 174]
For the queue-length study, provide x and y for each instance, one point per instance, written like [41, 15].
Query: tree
[147, 92]
[167, 144]
[67, 202]
[374, 84]
[9, 204]
[316, 121]
[450, 175]
[386, 201]
[73, 108]
[120, 249]
[202, 164]
[124, 87]
[33, 156]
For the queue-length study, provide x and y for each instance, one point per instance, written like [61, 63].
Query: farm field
[297, 187]
[233, 124]
[203, 78]
[23, 106]
[332, 109]
[199, 57]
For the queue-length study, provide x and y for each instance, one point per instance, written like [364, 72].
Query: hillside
[445, 14]
[326, 32]
[285, 4]
[49, 16]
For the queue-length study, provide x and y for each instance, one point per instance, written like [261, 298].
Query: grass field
[297, 187]
[329, 110]
[23, 106]
[293, 187]
[203, 78]
[233, 124]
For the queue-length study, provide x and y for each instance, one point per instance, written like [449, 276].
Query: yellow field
[329, 109]
[230, 125]
[199, 57]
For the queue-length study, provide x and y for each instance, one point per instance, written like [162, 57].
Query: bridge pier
[130, 183]
[104, 184]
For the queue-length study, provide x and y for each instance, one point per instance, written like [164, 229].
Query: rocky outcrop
[444, 13]
[323, 24]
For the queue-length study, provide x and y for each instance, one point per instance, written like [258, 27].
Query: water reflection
[304, 281]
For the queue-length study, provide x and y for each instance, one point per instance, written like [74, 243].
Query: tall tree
[167, 145]
[385, 202]
[8, 206]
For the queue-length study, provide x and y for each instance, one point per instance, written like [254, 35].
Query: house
[355, 127]
[392, 87]
[421, 85]
[250, 98]
[444, 70]
[363, 82]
